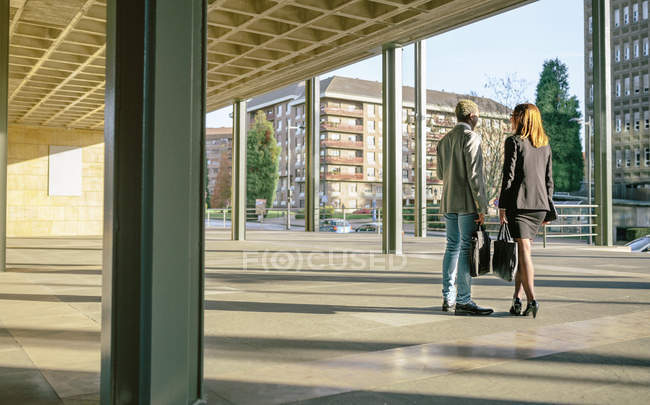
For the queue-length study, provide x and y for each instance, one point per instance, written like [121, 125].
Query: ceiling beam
[58, 41]
[71, 76]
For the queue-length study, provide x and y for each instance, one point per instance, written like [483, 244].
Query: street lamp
[289, 191]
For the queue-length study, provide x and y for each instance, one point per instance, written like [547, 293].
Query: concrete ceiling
[57, 47]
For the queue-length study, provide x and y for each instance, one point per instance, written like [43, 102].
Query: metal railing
[574, 220]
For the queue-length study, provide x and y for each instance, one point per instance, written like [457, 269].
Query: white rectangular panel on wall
[65, 170]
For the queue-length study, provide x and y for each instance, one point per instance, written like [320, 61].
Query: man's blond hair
[465, 108]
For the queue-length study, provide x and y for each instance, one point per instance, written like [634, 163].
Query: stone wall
[31, 210]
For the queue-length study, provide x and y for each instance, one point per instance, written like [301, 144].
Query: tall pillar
[238, 214]
[312, 155]
[4, 126]
[420, 141]
[603, 121]
[152, 293]
[392, 149]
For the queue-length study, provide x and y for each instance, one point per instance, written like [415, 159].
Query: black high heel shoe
[531, 307]
[515, 309]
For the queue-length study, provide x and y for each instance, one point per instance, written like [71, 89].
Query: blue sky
[516, 42]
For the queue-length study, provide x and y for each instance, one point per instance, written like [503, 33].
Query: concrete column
[312, 155]
[4, 126]
[152, 293]
[239, 141]
[392, 149]
[602, 121]
[420, 141]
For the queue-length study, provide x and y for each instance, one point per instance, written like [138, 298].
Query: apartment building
[217, 142]
[630, 30]
[351, 139]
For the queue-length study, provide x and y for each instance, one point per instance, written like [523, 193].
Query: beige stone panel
[67, 138]
[71, 227]
[92, 184]
[58, 213]
[15, 197]
[90, 228]
[71, 213]
[41, 227]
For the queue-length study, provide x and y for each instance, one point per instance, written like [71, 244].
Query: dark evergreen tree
[561, 114]
[262, 161]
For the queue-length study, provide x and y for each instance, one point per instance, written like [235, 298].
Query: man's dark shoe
[446, 307]
[472, 309]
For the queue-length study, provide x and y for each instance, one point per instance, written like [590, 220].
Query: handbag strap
[504, 233]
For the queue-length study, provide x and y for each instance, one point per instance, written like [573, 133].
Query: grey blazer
[527, 175]
[460, 167]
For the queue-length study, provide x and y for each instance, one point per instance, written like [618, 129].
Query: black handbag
[551, 214]
[479, 254]
[504, 261]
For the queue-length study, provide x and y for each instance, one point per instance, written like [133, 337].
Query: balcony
[341, 176]
[342, 111]
[432, 165]
[432, 180]
[343, 160]
[342, 144]
[335, 126]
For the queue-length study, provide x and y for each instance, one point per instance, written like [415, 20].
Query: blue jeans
[455, 265]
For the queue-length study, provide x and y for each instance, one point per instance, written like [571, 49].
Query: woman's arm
[508, 174]
[550, 185]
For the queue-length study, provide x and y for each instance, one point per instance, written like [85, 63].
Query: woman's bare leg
[518, 279]
[528, 273]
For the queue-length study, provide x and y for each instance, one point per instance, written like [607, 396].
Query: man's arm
[474, 167]
[439, 165]
[508, 174]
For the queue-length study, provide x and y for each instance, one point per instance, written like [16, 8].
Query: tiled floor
[326, 319]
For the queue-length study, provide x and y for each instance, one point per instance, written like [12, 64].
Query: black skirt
[525, 223]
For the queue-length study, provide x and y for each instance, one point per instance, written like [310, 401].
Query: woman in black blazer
[526, 190]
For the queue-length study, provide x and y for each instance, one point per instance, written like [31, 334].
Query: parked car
[363, 211]
[370, 227]
[641, 244]
[335, 225]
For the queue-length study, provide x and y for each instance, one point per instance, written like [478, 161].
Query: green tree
[262, 161]
[561, 116]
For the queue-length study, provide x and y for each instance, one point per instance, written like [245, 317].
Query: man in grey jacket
[464, 204]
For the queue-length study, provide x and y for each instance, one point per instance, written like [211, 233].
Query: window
[627, 86]
[627, 121]
[619, 159]
[626, 51]
[637, 84]
[628, 158]
[591, 93]
[617, 18]
[645, 46]
[370, 172]
[636, 48]
[371, 141]
[637, 121]
[333, 152]
[635, 12]
[591, 25]
[279, 125]
[280, 109]
[335, 137]
[405, 174]
[645, 10]
[626, 15]
[371, 126]
[371, 157]
[591, 59]
[618, 123]
[647, 157]
[646, 118]
[370, 110]
[646, 83]
[637, 157]
[617, 53]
